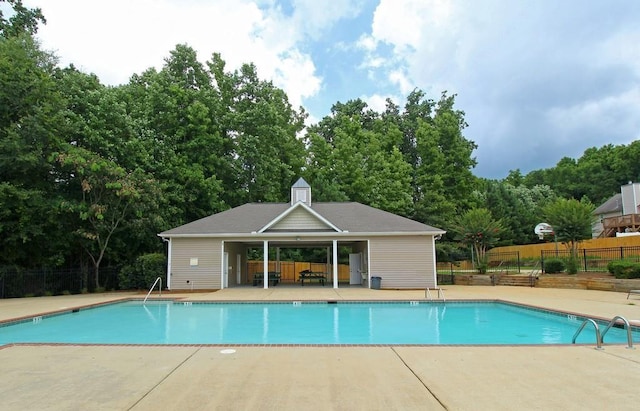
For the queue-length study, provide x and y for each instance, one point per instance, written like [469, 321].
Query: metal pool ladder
[159, 279]
[626, 324]
[599, 336]
[427, 293]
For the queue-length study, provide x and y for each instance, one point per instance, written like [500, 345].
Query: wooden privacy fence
[290, 270]
[534, 251]
[589, 259]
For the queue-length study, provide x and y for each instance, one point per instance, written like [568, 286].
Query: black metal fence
[18, 282]
[595, 259]
[496, 262]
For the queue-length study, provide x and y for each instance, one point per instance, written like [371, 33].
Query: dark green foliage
[624, 268]
[90, 174]
[553, 266]
[23, 20]
[143, 272]
[572, 265]
[571, 221]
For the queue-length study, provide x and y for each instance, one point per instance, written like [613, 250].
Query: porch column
[265, 263]
[168, 263]
[335, 263]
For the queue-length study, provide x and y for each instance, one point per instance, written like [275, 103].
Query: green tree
[572, 221]
[262, 128]
[477, 228]
[109, 199]
[32, 233]
[22, 21]
[518, 208]
[175, 116]
[355, 154]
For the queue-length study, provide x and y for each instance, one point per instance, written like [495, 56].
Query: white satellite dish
[542, 229]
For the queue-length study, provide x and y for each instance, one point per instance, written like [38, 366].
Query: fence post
[621, 253]
[542, 261]
[518, 259]
[584, 254]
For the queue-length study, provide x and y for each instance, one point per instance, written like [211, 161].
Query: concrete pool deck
[74, 377]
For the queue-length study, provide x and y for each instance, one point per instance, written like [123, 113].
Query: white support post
[169, 265]
[368, 264]
[335, 263]
[435, 267]
[265, 264]
[222, 267]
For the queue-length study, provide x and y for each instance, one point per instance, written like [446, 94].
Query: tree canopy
[90, 173]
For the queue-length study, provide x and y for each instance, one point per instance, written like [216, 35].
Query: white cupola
[301, 191]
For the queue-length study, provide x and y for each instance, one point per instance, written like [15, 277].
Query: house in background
[211, 253]
[619, 215]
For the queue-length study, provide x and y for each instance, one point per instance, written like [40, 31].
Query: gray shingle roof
[612, 205]
[348, 216]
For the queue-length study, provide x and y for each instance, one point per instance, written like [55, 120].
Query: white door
[354, 269]
[225, 270]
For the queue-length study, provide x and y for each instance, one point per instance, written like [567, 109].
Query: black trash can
[375, 282]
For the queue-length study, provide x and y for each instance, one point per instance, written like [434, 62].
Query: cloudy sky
[538, 80]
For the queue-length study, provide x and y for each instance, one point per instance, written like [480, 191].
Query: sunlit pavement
[64, 377]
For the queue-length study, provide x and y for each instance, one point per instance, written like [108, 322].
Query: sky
[538, 80]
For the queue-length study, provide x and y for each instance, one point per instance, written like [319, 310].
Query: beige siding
[403, 262]
[300, 219]
[206, 275]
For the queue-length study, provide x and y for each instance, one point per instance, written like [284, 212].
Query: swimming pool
[367, 323]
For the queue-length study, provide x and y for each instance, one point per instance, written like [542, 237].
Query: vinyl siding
[630, 198]
[299, 219]
[206, 275]
[403, 262]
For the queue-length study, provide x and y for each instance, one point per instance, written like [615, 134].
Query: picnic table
[274, 278]
[308, 275]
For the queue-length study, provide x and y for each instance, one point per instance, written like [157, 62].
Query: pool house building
[213, 252]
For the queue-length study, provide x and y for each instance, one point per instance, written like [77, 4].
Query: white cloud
[378, 102]
[312, 17]
[400, 78]
[409, 24]
[119, 38]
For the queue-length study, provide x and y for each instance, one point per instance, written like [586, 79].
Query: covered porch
[300, 263]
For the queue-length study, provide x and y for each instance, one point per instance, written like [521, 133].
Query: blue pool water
[165, 322]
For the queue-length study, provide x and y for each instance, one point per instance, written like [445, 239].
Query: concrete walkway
[67, 377]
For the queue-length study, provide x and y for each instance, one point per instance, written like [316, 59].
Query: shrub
[143, 272]
[572, 265]
[553, 266]
[624, 268]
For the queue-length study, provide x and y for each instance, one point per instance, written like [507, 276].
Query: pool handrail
[152, 287]
[626, 324]
[598, 336]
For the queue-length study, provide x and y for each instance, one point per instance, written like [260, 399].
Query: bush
[624, 268]
[143, 272]
[572, 265]
[553, 266]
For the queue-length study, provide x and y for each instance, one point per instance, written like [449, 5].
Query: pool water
[166, 322]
